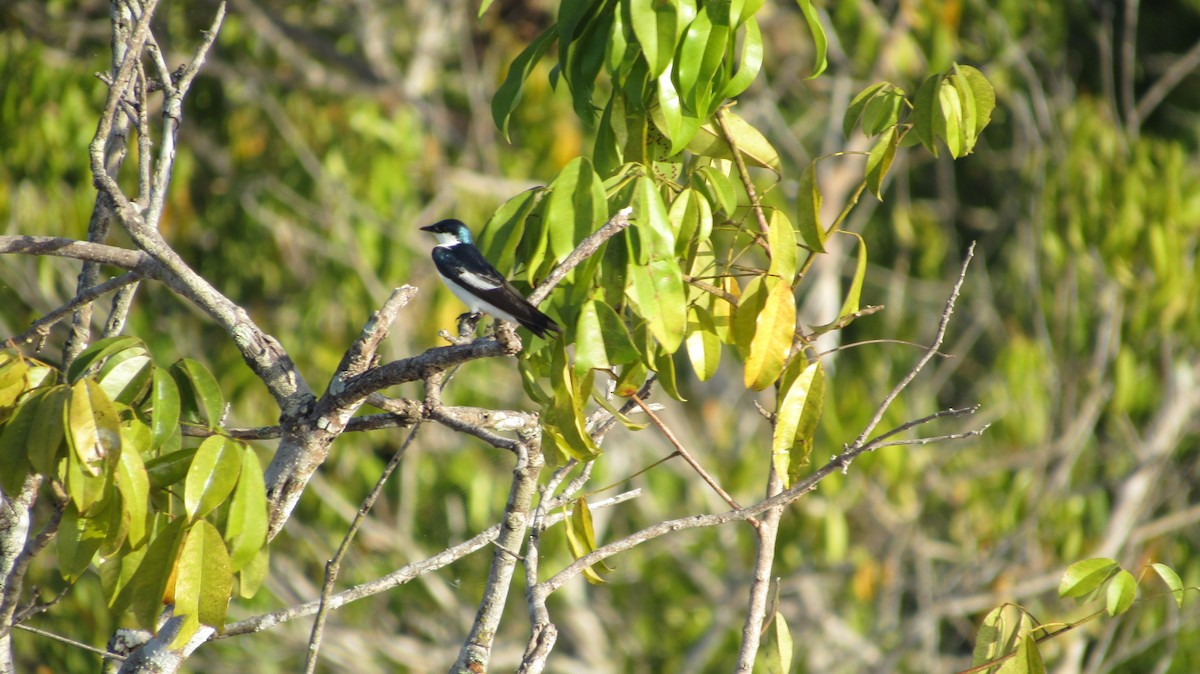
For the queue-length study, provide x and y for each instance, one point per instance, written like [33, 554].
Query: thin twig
[930, 351]
[747, 182]
[585, 249]
[682, 451]
[41, 327]
[333, 567]
[77, 644]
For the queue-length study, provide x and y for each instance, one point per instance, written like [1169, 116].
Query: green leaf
[164, 409]
[880, 159]
[1084, 577]
[500, 236]
[858, 104]
[984, 97]
[850, 304]
[1027, 659]
[93, 427]
[748, 66]
[581, 539]
[703, 344]
[779, 647]
[126, 375]
[509, 94]
[719, 189]
[98, 351]
[691, 217]
[663, 364]
[989, 638]
[755, 148]
[820, 42]
[745, 317]
[656, 235]
[246, 525]
[927, 112]
[808, 210]
[212, 475]
[170, 469]
[1172, 580]
[774, 330]
[949, 124]
[781, 236]
[601, 339]
[694, 81]
[1121, 593]
[199, 391]
[654, 24]
[796, 416]
[76, 543]
[15, 443]
[147, 587]
[134, 484]
[252, 576]
[656, 292]
[13, 382]
[576, 203]
[48, 435]
[204, 579]
[631, 379]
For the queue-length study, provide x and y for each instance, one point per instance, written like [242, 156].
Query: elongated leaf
[656, 291]
[689, 70]
[796, 416]
[15, 441]
[1121, 593]
[927, 112]
[77, 541]
[581, 539]
[134, 484]
[576, 203]
[654, 23]
[246, 525]
[252, 576]
[949, 124]
[773, 334]
[779, 647]
[858, 104]
[13, 382]
[126, 375]
[808, 210]
[850, 304]
[204, 578]
[755, 148]
[745, 318]
[879, 161]
[703, 344]
[212, 475]
[499, 238]
[748, 66]
[98, 351]
[509, 94]
[165, 409]
[719, 189]
[171, 468]
[146, 588]
[199, 391]
[602, 340]
[782, 238]
[92, 425]
[820, 41]
[47, 437]
[1084, 577]
[1172, 580]
[663, 364]
[1027, 659]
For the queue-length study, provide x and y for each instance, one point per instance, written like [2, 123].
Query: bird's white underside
[473, 302]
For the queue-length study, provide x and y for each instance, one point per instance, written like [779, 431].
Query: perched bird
[476, 282]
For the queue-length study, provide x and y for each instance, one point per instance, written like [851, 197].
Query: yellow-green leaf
[850, 304]
[212, 475]
[808, 210]
[134, 485]
[246, 525]
[1027, 659]
[779, 646]
[204, 578]
[1121, 593]
[796, 416]
[709, 141]
[1084, 577]
[781, 237]
[703, 344]
[93, 427]
[774, 330]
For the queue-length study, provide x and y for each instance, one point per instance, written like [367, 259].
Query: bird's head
[449, 232]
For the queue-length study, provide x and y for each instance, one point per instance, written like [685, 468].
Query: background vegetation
[321, 135]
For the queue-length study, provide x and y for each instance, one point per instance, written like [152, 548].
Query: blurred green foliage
[305, 167]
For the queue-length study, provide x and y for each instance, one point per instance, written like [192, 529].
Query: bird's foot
[467, 323]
